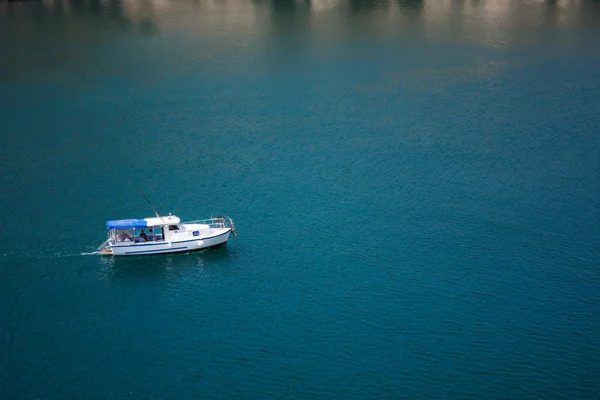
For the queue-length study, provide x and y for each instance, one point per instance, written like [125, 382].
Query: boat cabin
[126, 231]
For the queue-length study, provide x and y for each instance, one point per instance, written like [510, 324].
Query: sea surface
[416, 187]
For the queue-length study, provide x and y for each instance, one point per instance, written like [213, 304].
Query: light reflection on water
[50, 36]
[473, 19]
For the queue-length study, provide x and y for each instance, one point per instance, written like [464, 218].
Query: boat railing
[215, 223]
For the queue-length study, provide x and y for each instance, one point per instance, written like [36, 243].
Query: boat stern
[105, 248]
[106, 251]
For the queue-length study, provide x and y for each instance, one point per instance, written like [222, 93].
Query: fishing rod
[150, 204]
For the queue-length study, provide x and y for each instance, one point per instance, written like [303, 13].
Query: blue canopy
[126, 223]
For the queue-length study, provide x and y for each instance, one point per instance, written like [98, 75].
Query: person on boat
[151, 236]
[124, 237]
[143, 236]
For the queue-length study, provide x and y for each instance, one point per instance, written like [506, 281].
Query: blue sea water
[415, 186]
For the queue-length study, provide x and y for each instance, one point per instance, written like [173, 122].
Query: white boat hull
[216, 237]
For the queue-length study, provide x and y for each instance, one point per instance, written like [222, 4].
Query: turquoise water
[415, 186]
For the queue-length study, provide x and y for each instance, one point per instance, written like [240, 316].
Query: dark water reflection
[43, 35]
[94, 18]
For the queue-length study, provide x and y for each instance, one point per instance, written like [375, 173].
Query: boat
[164, 235]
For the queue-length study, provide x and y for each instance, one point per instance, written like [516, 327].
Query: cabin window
[196, 233]
[125, 235]
[173, 227]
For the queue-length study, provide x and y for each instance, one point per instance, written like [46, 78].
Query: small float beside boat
[161, 235]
